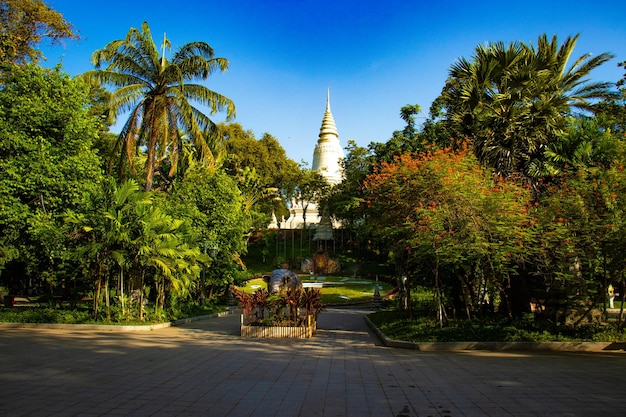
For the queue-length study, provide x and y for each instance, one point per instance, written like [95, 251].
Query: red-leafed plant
[311, 301]
[282, 309]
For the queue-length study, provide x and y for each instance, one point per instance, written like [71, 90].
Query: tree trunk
[106, 298]
[620, 320]
[141, 290]
[409, 306]
[162, 298]
[150, 166]
[150, 157]
[440, 310]
[96, 298]
[122, 291]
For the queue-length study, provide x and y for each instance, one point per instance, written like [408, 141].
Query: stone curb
[497, 346]
[110, 328]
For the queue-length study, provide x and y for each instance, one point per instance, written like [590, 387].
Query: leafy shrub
[84, 315]
[46, 315]
[396, 325]
[283, 309]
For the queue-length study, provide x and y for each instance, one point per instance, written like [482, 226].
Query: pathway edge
[497, 346]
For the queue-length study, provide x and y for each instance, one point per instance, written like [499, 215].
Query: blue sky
[374, 56]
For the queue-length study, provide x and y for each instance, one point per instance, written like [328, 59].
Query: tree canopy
[47, 164]
[513, 100]
[26, 23]
[159, 94]
[262, 169]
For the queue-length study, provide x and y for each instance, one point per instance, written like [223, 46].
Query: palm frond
[192, 49]
[158, 93]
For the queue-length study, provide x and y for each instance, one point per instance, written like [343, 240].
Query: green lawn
[336, 290]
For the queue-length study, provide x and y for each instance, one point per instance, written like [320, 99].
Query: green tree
[24, 24]
[100, 235]
[312, 189]
[159, 94]
[47, 165]
[244, 151]
[402, 141]
[262, 170]
[586, 142]
[167, 256]
[513, 100]
[611, 113]
[212, 207]
[124, 233]
[447, 222]
[583, 233]
[346, 201]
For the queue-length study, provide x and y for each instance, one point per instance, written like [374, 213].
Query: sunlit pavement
[205, 369]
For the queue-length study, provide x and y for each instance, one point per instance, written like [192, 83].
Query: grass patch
[344, 290]
[46, 315]
[84, 315]
[253, 285]
[336, 290]
[424, 328]
[397, 326]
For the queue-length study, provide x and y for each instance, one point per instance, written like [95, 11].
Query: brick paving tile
[205, 369]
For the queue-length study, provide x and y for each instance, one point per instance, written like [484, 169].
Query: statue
[321, 263]
[283, 278]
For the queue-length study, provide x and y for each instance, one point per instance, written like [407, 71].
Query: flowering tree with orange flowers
[451, 223]
[583, 225]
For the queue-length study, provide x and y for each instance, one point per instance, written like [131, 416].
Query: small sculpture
[321, 263]
[283, 278]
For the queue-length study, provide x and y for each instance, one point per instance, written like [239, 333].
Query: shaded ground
[205, 369]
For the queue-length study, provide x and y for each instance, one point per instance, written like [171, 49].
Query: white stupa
[328, 153]
[327, 158]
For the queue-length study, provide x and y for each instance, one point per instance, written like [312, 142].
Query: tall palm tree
[159, 95]
[513, 100]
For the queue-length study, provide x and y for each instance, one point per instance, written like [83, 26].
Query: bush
[261, 308]
[84, 315]
[396, 325]
[46, 315]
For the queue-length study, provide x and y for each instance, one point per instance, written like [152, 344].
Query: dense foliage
[47, 165]
[445, 219]
[509, 199]
[71, 233]
[265, 176]
[26, 23]
[513, 101]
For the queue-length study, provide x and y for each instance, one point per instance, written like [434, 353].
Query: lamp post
[214, 250]
[376, 302]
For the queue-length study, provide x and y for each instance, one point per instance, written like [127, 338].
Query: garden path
[205, 369]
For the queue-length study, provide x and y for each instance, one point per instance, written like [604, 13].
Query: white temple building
[328, 152]
[327, 158]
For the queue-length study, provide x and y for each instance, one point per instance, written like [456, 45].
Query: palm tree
[513, 100]
[159, 95]
[105, 235]
[166, 255]
[126, 232]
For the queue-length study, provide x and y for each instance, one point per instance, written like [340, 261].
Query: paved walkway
[205, 369]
